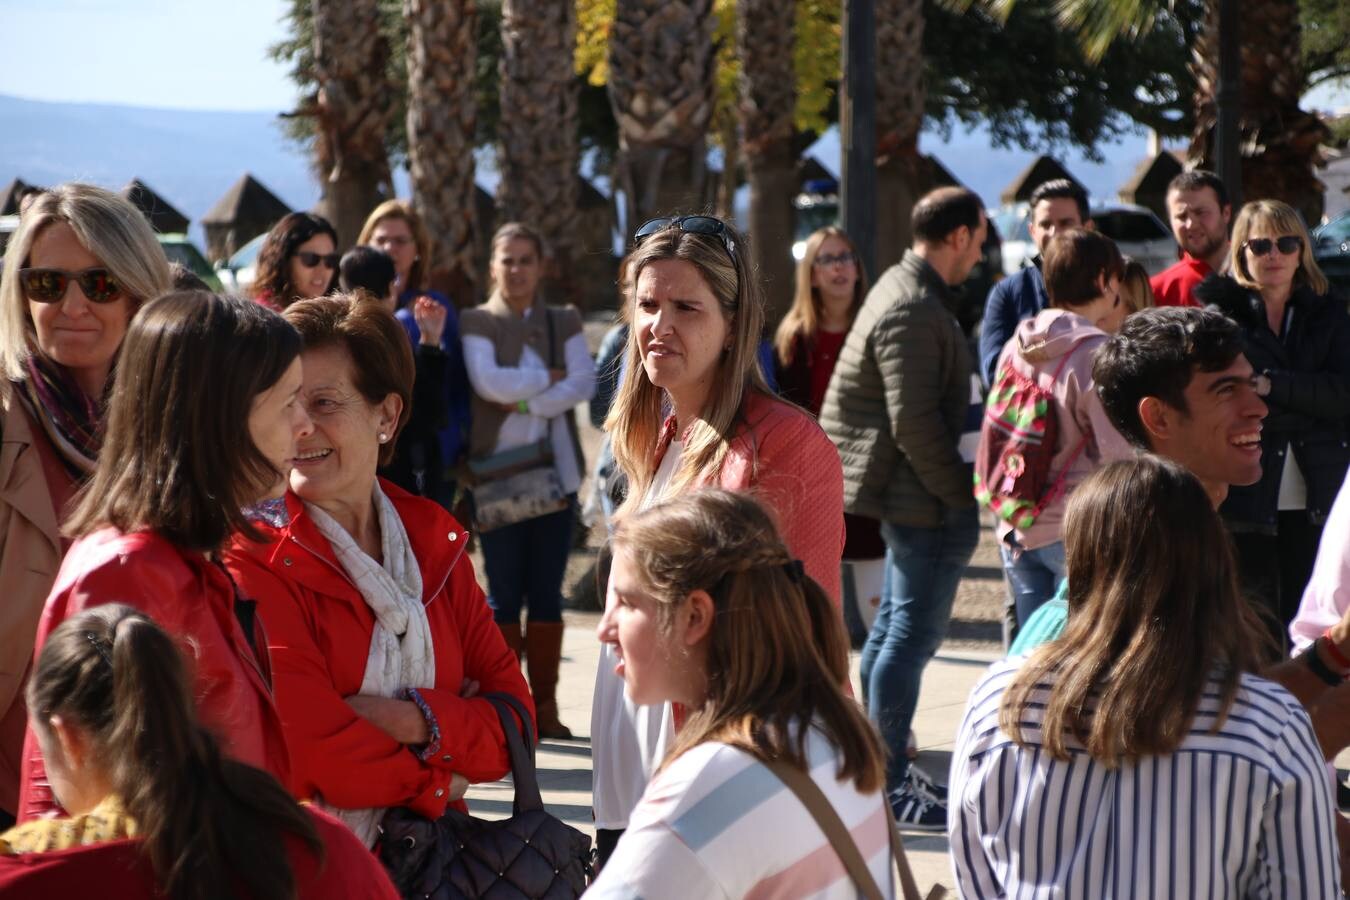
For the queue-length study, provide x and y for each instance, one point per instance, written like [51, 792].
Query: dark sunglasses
[1286, 245]
[705, 225]
[49, 285]
[309, 259]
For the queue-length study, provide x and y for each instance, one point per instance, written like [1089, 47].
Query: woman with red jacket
[155, 810]
[693, 410]
[185, 451]
[380, 635]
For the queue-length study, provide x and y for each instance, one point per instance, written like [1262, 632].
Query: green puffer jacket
[898, 400]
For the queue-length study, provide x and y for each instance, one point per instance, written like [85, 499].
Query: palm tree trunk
[351, 111]
[1278, 140]
[442, 114]
[764, 41]
[902, 173]
[661, 60]
[538, 130]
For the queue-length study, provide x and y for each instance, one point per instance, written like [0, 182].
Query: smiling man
[1198, 207]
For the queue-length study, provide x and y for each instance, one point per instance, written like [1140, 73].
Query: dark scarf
[71, 419]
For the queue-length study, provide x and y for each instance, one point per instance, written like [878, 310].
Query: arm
[975, 873]
[910, 344]
[1000, 321]
[577, 386]
[428, 400]
[653, 862]
[337, 754]
[499, 384]
[608, 368]
[1297, 851]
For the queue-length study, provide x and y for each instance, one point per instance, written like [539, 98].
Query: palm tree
[901, 170]
[351, 110]
[764, 42]
[661, 59]
[442, 114]
[538, 129]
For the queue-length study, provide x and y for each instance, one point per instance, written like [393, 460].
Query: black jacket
[1309, 371]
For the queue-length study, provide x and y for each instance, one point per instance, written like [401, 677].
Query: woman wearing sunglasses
[298, 260]
[185, 451]
[1298, 341]
[693, 411]
[80, 263]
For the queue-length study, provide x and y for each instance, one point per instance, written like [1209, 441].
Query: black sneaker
[922, 783]
[916, 810]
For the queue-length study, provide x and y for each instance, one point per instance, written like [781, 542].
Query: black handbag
[530, 855]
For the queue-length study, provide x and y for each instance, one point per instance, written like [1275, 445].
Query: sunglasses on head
[705, 225]
[1286, 245]
[49, 285]
[309, 259]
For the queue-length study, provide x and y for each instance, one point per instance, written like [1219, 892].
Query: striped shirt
[1244, 812]
[717, 823]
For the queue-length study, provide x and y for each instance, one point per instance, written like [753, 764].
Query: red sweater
[320, 627]
[117, 870]
[1174, 286]
[192, 599]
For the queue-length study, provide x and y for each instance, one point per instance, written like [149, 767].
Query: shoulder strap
[521, 750]
[818, 805]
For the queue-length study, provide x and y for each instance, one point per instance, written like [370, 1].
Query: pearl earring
[383, 437]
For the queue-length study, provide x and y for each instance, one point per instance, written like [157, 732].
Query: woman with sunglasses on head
[529, 366]
[710, 610]
[80, 263]
[693, 411]
[298, 260]
[185, 452]
[1298, 341]
[155, 810]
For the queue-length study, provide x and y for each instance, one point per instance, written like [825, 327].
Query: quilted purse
[530, 855]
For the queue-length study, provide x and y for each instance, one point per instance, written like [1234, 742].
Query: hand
[459, 786]
[508, 407]
[468, 688]
[400, 719]
[430, 318]
[556, 375]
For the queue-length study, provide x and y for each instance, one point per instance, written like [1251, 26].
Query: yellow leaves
[594, 18]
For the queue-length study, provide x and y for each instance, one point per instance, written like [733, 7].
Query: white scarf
[401, 651]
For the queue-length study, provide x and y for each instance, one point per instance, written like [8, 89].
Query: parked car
[180, 249]
[239, 271]
[1137, 231]
[1331, 249]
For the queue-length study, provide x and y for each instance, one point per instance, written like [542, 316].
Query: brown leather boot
[543, 654]
[514, 637]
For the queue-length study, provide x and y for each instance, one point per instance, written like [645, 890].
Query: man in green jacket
[897, 406]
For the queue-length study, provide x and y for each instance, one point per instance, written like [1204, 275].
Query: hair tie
[98, 645]
[794, 570]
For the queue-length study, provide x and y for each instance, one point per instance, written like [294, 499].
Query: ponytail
[210, 827]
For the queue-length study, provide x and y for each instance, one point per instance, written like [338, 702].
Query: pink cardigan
[780, 456]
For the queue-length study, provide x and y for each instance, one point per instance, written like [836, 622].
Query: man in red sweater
[1197, 204]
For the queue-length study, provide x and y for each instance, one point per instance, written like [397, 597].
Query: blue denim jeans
[923, 568]
[525, 565]
[1034, 576]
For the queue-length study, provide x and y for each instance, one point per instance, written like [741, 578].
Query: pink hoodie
[1036, 349]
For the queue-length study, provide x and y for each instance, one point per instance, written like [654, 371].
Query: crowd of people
[242, 623]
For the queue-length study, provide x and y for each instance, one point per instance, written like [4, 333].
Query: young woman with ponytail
[710, 610]
[156, 809]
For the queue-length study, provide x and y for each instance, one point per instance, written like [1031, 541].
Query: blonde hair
[401, 209]
[110, 228]
[635, 419]
[803, 319]
[1282, 219]
[1135, 289]
[777, 653]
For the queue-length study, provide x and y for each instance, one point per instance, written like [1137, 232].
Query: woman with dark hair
[186, 450]
[1183, 774]
[1298, 341]
[529, 366]
[710, 610]
[380, 633]
[155, 809]
[80, 264]
[298, 259]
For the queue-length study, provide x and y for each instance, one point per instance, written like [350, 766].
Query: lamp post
[858, 130]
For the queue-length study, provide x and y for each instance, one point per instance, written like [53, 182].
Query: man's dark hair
[1062, 189]
[1073, 262]
[1198, 179]
[938, 213]
[1155, 354]
[368, 269]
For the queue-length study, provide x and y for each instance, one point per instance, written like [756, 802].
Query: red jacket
[320, 629]
[191, 598]
[117, 870]
[1175, 285]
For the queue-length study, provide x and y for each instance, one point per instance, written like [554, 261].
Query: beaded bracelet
[433, 744]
